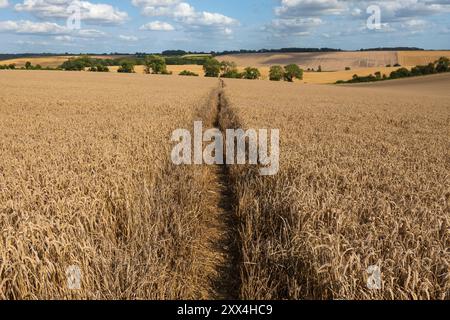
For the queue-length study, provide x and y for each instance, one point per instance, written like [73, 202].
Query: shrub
[378, 75]
[348, 68]
[12, 66]
[276, 73]
[292, 72]
[319, 69]
[126, 67]
[188, 73]
[400, 73]
[232, 74]
[251, 73]
[397, 65]
[155, 65]
[211, 68]
[443, 65]
[28, 65]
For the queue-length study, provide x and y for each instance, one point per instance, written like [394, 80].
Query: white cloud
[26, 27]
[128, 38]
[157, 26]
[4, 3]
[90, 12]
[187, 16]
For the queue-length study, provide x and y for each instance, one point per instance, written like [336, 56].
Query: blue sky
[204, 25]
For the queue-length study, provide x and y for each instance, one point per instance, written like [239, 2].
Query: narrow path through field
[226, 284]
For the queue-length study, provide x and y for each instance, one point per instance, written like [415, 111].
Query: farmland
[86, 179]
[363, 181]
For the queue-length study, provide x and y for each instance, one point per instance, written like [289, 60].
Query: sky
[128, 26]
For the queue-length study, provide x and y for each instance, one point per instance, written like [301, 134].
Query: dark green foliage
[99, 68]
[155, 64]
[188, 73]
[400, 73]
[211, 68]
[292, 72]
[276, 73]
[443, 65]
[126, 67]
[251, 73]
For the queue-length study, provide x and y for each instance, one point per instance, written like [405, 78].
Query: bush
[12, 66]
[155, 65]
[126, 67]
[400, 73]
[211, 68]
[292, 72]
[397, 65]
[232, 74]
[319, 69]
[443, 65]
[99, 68]
[378, 75]
[276, 73]
[348, 68]
[28, 65]
[251, 73]
[188, 73]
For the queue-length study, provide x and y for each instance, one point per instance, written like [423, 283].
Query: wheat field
[363, 181]
[86, 180]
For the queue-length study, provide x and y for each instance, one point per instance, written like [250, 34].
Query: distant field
[330, 61]
[414, 58]
[52, 62]
[337, 61]
[334, 64]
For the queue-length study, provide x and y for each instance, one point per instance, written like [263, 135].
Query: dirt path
[220, 241]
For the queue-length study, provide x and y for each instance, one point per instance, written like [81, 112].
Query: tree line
[439, 66]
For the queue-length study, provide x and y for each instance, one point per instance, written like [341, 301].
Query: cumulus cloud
[128, 38]
[96, 13]
[26, 27]
[4, 3]
[294, 26]
[187, 16]
[157, 26]
[310, 8]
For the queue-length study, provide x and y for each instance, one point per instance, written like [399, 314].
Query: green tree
[228, 67]
[443, 64]
[155, 64]
[251, 73]
[126, 67]
[292, 72]
[28, 65]
[276, 73]
[211, 68]
[12, 66]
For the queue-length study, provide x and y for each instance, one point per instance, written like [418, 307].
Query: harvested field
[86, 180]
[363, 182]
[331, 61]
[414, 58]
